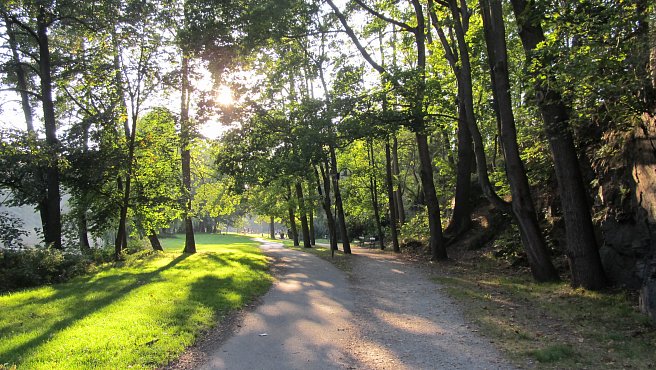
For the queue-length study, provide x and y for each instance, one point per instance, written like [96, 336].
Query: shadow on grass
[81, 305]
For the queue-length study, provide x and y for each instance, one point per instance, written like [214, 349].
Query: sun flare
[224, 96]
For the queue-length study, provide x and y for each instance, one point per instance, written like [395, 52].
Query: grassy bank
[551, 325]
[139, 314]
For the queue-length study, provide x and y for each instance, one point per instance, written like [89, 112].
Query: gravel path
[406, 321]
[387, 314]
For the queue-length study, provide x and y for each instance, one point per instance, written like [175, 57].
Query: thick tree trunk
[582, 249]
[398, 194]
[373, 190]
[462, 209]
[154, 242]
[272, 228]
[390, 196]
[325, 203]
[437, 247]
[53, 231]
[304, 221]
[522, 202]
[346, 245]
[185, 133]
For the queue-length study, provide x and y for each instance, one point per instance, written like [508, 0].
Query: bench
[367, 242]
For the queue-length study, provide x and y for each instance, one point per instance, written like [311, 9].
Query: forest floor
[375, 312]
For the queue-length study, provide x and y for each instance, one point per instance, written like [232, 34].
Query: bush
[22, 268]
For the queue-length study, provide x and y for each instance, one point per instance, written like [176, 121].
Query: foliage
[415, 229]
[28, 267]
[141, 313]
[11, 231]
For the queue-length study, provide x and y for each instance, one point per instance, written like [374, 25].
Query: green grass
[552, 325]
[139, 314]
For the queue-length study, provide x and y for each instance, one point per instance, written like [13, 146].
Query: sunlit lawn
[139, 315]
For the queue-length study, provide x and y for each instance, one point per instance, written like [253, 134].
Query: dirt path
[386, 315]
[406, 321]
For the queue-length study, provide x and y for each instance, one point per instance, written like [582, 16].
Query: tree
[583, 254]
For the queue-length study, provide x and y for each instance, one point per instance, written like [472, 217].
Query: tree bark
[83, 232]
[346, 245]
[462, 209]
[522, 202]
[292, 218]
[154, 242]
[185, 135]
[304, 221]
[53, 231]
[373, 189]
[390, 196]
[325, 203]
[272, 228]
[398, 194]
[313, 236]
[582, 249]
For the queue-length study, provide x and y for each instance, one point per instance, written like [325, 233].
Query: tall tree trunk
[313, 236]
[185, 133]
[53, 230]
[390, 196]
[325, 203]
[462, 210]
[304, 221]
[373, 189]
[398, 194]
[437, 245]
[121, 241]
[292, 218]
[83, 232]
[346, 245]
[272, 228]
[582, 249]
[465, 86]
[21, 83]
[522, 202]
[21, 77]
[154, 242]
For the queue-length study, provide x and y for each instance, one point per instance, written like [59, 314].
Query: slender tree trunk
[53, 230]
[582, 249]
[522, 202]
[461, 20]
[21, 83]
[437, 245]
[373, 189]
[292, 218]
[154, 242]
[304, 221]
[272, 228]
[398, 194]
[325, 203]
[21, 77]
[83, 232]
[390, 197]
[185, 133]
[313, 236]
[346, 245]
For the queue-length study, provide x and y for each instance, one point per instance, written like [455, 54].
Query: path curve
[387, 314]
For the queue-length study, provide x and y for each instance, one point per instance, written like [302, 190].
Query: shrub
[27, 267]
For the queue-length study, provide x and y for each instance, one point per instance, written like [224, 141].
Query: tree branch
[387, 19]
